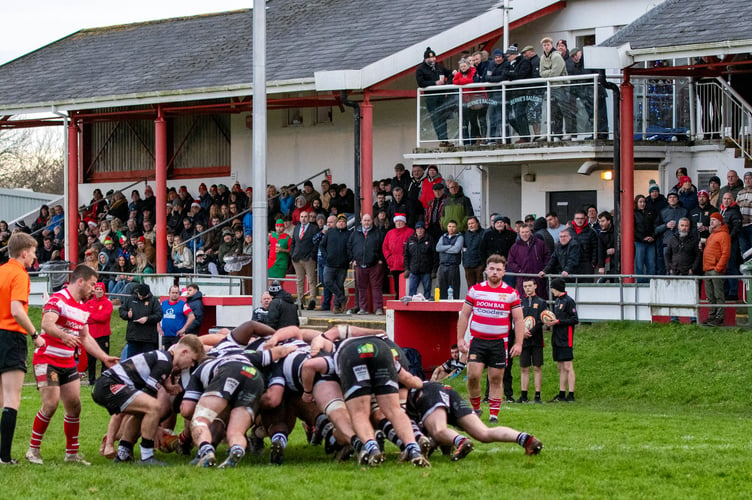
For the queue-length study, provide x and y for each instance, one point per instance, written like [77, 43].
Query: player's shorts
[436, 396]
[48, 375]
[238, 383]
[492, 353]
[366, 366]
[114, 395]
[563, 353]
[531, 356]
[13, 351]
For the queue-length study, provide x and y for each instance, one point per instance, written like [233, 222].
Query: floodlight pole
[260, 270]
[507, 8]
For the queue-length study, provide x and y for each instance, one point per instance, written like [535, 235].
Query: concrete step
[322, 320]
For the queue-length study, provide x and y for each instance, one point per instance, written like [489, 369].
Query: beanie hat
[497, 53]
[715, 179]
[684, 178]
[559, 285]
[702, 192]
[275, 288]
[429, 53]
[654, 187]
[717, 216]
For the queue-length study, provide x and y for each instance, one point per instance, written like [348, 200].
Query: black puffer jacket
[419, 254]
[683, 254]
[197, 306]
[149, 307]
[333, 248]
[565, 258]
[282, 311]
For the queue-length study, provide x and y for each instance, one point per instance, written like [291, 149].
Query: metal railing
[723, 114]
[499, 112]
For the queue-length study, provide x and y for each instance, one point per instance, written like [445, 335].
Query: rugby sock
[39, 428]
[493, 407]
[205, 448]
[411, 448]
[416, 430]
[458, 439]
[125, 450]
[238, 450]
[537, 395]
[571, 394]
[356, 444]
[523, 394]
[70, 427]
[147, 448]
[522, 438]
[475, 402]
[7, 428]
[388, 429]
[321, 421]
[372, 446]
[562, 394]
[281, 438]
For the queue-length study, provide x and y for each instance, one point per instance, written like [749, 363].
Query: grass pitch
[662, 411]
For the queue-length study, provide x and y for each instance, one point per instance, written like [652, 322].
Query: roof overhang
[441, 43]
[625, 56]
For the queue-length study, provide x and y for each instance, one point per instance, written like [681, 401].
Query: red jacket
[100, 312]
[426, 189]
[394, 247]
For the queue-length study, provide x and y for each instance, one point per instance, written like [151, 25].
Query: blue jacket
[449, 249]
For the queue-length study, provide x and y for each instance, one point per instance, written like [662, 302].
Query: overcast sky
[26, 25]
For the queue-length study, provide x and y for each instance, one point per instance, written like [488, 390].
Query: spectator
[122, 277]
[714, 191]
[282, 309]
[182, 257]
[551, 66]
[592, 216]
[393, 248]
[457, 207]
[301, 205]
[700, 215]
[449, 248]
[334, 251]
[415, 187]
[325, 195]
[44, 254]
[569, 109]
[732, 219]
[432, 178]
[609, 261]
[143, 312]
[519, 68]
[344, 203]
[381, 203]
[669, 218]
[734, 184]
[588, 242]
[177, 316]
[528, 255]
[430, 73]
[364, 250]
[714, 259]
[465, 76]
[419, 260]
[496, 72]
[228, 248]
[644, 240]
[402, 205]
[687, 193]
[100, 314]
[566, 256]
[260, 313]
[744, 200]
[434, 210]
[309, 193]
[401, 178]
[325, 224]
[554, 226]
[194, 299]
[683, 251]
[42, 219]
[540, 230]
[286, 201]
[204, 265]
[497, 240]
[303, 254]
[535, 95]
[472, 258]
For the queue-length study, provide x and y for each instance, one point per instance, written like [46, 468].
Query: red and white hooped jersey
[492, 310]
[71, 318]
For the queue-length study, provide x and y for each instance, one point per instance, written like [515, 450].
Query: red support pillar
[366, 155]
[71, 225]
[160, 153]
[627, 176]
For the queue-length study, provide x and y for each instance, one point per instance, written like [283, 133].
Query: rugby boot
[33, 456]
[533, 446]
[463, 450]
[277, 453]
[76, 458]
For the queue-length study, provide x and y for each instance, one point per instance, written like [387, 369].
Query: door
[565, 203]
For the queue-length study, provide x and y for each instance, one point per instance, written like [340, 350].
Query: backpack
[416, 362]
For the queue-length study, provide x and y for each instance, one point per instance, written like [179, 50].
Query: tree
[32, 159]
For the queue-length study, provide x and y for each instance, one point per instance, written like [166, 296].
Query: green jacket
[457, 207]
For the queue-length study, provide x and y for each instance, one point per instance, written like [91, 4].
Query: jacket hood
[284, 295]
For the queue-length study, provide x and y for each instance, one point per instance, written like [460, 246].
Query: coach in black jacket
[364, 249]
[143, 312]
[334, 251]
[303, 254]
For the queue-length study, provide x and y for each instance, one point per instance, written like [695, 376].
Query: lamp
[529, 177]
[588, 167]
[607, 175]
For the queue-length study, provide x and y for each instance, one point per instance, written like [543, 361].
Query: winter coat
[472, 256]
[100, 313]
[282, 311]
[669, 214]
[644, 225]
[552, 65]
[732, 217]
[197, 307]
[449, 249]
[394, 247]
[364, 249]
[419, 254]
[683, 254]
[606, 240]
[149, 307]
[528, 257]
[588, 241]
[426, 189]
[495, 242]
[427, 75]
[333, 248]
[565, 258]
[701, 215]
[717, 250]
[457, 207]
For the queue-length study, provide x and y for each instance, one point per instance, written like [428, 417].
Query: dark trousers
[436, 105]
[104, 344]
[135, 347]
[334, 281]
[474, 275]
[449, 275]
[366, 278]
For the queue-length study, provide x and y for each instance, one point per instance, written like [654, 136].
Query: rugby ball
[529, 323]
[548, 316]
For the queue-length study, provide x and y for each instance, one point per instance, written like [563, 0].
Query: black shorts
[531, 356]
[113, 394]
[563, 353]
[48, 375]
[238, 383]
[435, 396]
[13, 351]
[492, 353]
[366, 366]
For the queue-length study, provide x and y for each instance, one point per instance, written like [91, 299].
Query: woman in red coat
[394, 248]
[100, 312]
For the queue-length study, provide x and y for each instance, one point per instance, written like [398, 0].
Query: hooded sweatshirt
[100, 312]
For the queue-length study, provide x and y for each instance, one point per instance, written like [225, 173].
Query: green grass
[662, 412]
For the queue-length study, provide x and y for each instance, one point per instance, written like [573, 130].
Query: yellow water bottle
[436, 294]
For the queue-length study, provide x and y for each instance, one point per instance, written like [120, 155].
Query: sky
[27, 25]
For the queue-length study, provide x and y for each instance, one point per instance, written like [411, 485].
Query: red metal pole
[627, 177]
[160, 153]
[71, 225]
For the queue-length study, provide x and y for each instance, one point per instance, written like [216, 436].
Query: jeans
[423, 279]
[326, 303]
[644, 259]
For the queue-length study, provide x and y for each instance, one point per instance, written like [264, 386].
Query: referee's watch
[34, 335]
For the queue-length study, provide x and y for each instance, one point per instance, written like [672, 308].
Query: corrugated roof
[209, 51]
[687, 22]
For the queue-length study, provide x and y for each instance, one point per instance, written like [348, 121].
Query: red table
[429, 327]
